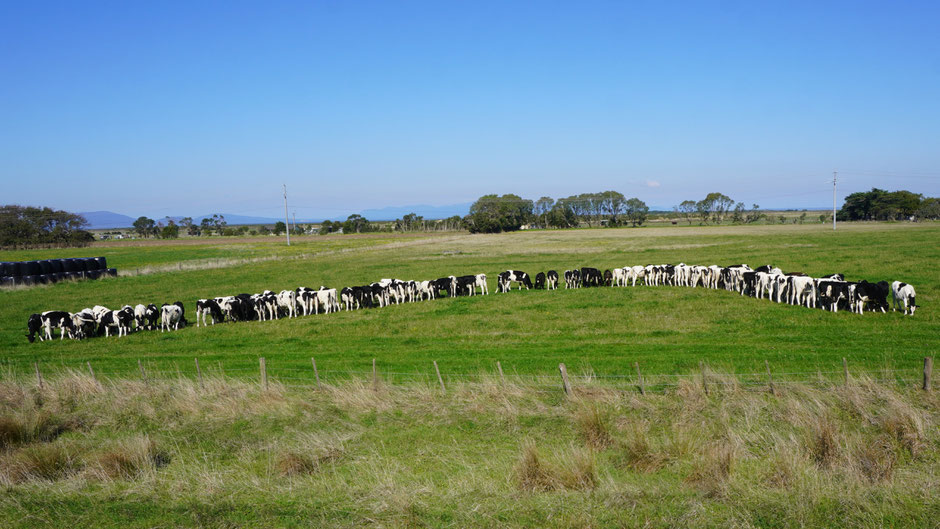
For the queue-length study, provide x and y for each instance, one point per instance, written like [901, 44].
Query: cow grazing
[551, 280]
[801, 289]
[481, 282]
[83, 324]
[831, 293]
[608, 278]
[170, 317]
[204, 308]
[56, 319]
[591, 277]
[286, 300]
[572, 279]
[120, 319]
[33, 326]
[904, 297]
[521, 278]
[540, 281]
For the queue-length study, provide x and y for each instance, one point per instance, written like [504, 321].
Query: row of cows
[830, 292]
[102, 321]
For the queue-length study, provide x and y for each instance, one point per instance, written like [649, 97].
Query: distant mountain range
[103, 220]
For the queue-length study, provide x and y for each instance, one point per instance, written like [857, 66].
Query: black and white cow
[56, 319]
[832, 293]
[446, 284]
[466, 284]
[481, 283]
[521, 278]
[572, 278]
[608, 278]
[591, 277]
[540, 281]
[33, 327]
[904, 297]
[170, 316]
[551, 280]
[121, 319]
[204, 308]
[83, 324]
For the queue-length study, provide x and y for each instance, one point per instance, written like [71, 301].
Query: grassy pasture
[666, 330]
[122, 453]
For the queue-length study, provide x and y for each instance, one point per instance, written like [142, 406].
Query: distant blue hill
[428, 212]
[102, 220]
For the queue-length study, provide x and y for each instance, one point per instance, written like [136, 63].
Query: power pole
[294, 219]
[286, 218]
[834, 175]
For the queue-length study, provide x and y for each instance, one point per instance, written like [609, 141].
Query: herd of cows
[830, 292]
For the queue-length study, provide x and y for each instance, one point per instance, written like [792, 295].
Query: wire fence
[635, 381]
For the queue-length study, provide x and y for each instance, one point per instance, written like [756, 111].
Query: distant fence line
[636, 381]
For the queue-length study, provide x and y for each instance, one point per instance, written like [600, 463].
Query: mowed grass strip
[604, 331]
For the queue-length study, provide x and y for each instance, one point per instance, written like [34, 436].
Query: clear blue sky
[188, 108]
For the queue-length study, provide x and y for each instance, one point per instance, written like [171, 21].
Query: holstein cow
[551, 280]
[170, 317]
[83, 324]
[33, 327]
[801, 289]
[46, 322]
[637, 272]
[468, 284]
[608, 278]
[591, 277]
[521, 278]
[204, 307]
[481, 282]
[287, 300]
[572, 279]
[540, 281]
[831, 293]
[904, 297]
[122, 319]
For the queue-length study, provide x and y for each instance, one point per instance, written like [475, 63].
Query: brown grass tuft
[823, 443]
[128, 459]
[575, 469]
[712, 472]
[637, 453]
[41, 462]
[594, 426]
[298, 463]
[876, 460]
[905, 426]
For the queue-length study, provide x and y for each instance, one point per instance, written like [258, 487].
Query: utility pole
[834, 175]
[294, 218]
[286, 218]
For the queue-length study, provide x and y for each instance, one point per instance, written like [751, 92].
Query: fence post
[928, 372]
[770, 378]
[92, 372]
[639, 377]
[264, 373]
[315, 372]
[845, 370]
[38, 375]
[564, 379]
[143, 374]
[199, 373]
[375, 377]
[704, 379]
[439, 379]
[500, 368]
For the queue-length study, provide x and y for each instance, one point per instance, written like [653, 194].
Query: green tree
[170, 231]
[22, 226]
[205, 226]
[612, 204]
[636, 211]
[494, 214]
[687, 209]
[145, 227]
[541, 208]
[279, 227]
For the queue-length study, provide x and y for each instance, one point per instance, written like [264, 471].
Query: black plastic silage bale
[112, 272]
[102, 263]
[89, 264]
[68, 265]
[18, 269]
[45, 267]
[31, 268]
[6, 269]
[58, 266]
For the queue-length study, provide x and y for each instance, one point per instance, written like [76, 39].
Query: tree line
[26, 226]
[879, 204]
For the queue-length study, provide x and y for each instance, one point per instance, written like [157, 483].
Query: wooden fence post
[770, 379]
[143, 374]
[199, 374]
[38, 375]
[928, 372]
[564, 379]
[375, 377]
[439, 379]
[704, 379]
[315, 372]
[264, 373]
[639, 377]
[845, 370]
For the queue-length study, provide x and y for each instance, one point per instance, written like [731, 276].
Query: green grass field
[667, 330]
[171, 452]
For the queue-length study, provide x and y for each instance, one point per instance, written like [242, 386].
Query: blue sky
[164, 108]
